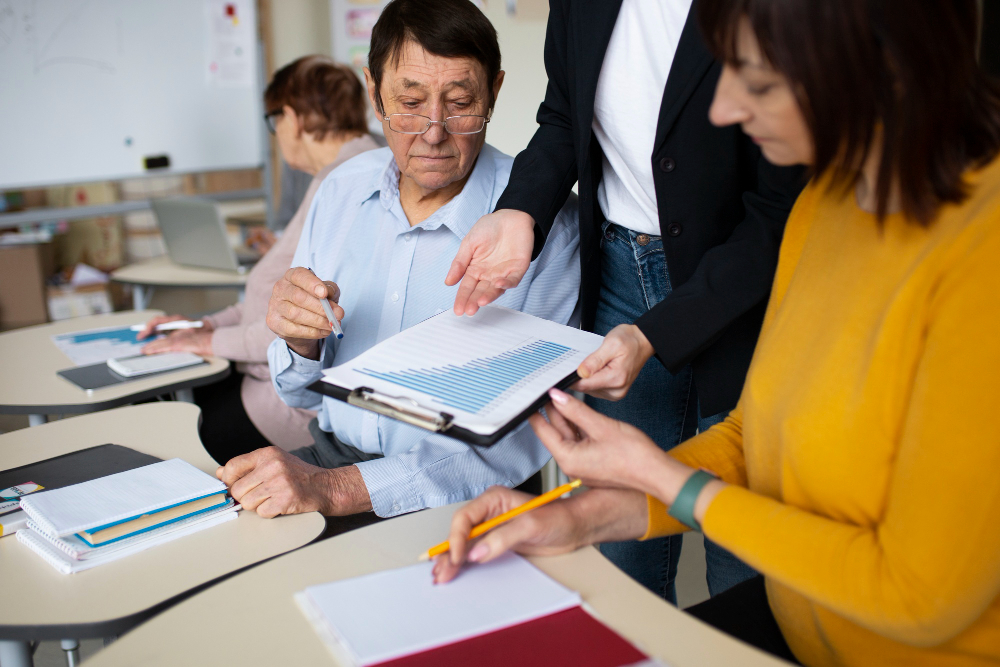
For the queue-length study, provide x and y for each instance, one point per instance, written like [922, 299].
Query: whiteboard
[90, 88]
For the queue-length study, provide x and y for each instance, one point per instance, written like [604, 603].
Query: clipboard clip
[400, 407]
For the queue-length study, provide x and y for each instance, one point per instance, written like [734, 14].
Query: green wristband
[683, 507]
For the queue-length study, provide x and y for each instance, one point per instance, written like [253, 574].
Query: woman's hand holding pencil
[551, 528]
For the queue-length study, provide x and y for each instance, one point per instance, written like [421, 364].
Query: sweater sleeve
[718, 450]
[930, 565]
[243, 342]
[226, 317]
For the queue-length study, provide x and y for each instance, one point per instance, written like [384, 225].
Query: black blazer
[722, 206]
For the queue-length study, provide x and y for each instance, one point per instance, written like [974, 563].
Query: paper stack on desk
[85, 525]
[506, 612]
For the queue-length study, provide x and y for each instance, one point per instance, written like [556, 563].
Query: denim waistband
[642, 244]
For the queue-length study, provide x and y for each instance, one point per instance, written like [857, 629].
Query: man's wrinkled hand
[270, 481]
[295, 312]
[492, 259]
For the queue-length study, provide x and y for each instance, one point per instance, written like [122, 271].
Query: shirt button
[609, 234]
[395, 507]
[408, 237]
[395, 297]
[674, 229]
[667, 164]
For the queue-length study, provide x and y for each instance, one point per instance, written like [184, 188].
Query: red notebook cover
[570, 637]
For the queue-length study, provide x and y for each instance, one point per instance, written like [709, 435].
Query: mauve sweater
[241, 334]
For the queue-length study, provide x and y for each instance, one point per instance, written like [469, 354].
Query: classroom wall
[301, 27]
[521, 45]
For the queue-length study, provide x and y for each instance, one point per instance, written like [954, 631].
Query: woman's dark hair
[899, 72]
[446, 28]
[328, 97]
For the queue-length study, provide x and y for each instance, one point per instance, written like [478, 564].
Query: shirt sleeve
[930, 566]
[441, 470]
[555, 285]
[290, 372]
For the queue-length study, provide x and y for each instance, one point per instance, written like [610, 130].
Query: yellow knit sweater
[865, 451]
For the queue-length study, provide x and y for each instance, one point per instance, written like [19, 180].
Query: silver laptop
[195, 235]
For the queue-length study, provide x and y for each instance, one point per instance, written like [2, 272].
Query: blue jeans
[634, 278]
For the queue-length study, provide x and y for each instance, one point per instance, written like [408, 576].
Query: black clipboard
[431, 420]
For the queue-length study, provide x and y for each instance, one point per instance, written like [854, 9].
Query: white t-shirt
[627, 107]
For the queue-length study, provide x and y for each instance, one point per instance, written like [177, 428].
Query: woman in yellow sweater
[860, 472]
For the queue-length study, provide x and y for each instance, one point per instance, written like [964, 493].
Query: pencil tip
[424, 556]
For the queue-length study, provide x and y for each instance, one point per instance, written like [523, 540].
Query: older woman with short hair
[858, 473]
[316, 110]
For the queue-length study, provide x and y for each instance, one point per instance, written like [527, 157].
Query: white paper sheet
[484, 370]
[390, 614]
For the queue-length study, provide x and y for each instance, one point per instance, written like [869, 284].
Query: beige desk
[30, 360]
[161, 272]
[40, 603]
[252, 619]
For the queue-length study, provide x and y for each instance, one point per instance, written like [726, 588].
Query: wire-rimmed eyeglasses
[411, 123]
[271, 120]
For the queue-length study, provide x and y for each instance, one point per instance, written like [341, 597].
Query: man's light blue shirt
[391, 276]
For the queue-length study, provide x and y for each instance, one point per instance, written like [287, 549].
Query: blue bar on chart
[474, 385]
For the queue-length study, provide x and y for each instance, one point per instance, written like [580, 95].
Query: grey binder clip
[400, 407]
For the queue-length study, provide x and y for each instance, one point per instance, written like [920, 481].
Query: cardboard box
[23, 271]
[68, 301]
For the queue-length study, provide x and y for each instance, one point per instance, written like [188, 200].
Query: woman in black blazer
[694, 293]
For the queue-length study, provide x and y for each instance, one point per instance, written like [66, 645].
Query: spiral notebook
[124, 496]
[71, 554]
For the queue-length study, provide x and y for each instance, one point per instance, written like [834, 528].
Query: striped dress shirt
[391, 276]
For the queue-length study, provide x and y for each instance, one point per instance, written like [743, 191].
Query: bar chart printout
[97, 345]
[484, 370]
[475, 385]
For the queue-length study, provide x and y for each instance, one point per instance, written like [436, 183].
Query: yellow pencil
[506, 516]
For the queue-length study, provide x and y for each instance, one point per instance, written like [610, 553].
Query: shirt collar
[461, 213]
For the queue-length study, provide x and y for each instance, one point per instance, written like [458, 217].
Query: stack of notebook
[85, 525]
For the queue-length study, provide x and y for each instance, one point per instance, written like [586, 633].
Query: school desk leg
[15, 654]
[184, 395]
[141, 296]
[36, 420]
[550, 476]
[72, 649]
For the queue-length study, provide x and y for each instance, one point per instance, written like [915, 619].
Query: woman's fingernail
[558, 396]
[479, 552]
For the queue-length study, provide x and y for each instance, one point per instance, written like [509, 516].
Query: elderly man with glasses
[380, 237]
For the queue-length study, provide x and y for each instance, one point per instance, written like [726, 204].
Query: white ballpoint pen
[328, 309]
